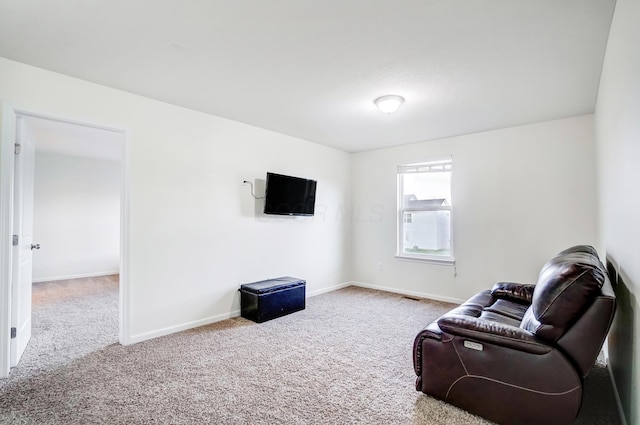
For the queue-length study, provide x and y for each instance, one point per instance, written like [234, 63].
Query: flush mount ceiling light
[389, 104]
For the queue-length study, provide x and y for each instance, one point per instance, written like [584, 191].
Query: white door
[23, 250]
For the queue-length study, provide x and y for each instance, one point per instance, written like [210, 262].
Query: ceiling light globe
[389, 104]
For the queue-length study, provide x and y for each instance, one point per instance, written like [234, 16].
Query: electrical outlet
[380, 267]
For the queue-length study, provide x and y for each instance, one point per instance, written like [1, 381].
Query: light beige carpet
[346, 359]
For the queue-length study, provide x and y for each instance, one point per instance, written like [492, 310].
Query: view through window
[424, 210]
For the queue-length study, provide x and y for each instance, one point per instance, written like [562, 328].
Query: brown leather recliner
[518, 353]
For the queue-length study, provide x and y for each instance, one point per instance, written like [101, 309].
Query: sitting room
[323, 212]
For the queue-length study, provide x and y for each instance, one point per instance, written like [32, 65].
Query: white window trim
[417, 168]
[448, 261]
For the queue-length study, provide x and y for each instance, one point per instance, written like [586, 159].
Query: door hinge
[17, 148]
[15, 240]
[13, 333]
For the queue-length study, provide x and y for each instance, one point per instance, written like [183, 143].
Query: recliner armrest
[492, 333]
[518, 292]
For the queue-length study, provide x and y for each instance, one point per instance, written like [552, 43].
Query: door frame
[7, 136]
[22, 261]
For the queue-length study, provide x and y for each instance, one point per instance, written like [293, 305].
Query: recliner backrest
[566, 286]
[588, 249]
[583, 341]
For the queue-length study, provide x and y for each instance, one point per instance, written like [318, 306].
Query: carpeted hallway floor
[346, 359]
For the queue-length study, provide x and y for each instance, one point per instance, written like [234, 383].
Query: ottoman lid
[272, 285]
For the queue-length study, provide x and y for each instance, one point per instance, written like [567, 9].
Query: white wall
[194, 233]
[618, 141]
[76, 217]
[519, 196]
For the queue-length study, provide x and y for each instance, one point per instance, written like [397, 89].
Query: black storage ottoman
[269, 299]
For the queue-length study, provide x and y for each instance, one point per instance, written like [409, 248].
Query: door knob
[35, 246]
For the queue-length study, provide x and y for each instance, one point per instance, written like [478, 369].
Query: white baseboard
[329, 289]
[623, 419]
[409, 293]
[182, 327]
[75, 276]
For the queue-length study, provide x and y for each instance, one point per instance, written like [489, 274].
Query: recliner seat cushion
[508, 308]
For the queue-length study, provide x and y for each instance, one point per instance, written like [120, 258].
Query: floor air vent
[410, 298]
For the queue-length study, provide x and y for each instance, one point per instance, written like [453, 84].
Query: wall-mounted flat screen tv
[287, 195]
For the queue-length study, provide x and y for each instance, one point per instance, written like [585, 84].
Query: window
[424, 211]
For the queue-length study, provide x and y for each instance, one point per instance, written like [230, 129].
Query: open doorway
[77, 189]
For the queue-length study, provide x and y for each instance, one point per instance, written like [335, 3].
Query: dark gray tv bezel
[293, 214]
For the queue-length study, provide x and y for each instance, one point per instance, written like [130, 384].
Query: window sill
[425, 259]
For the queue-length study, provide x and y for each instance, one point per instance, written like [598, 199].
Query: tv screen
[287, 195]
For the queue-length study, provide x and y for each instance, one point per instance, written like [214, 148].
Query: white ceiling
[312, 69]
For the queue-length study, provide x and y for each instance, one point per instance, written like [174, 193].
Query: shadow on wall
[621, 338]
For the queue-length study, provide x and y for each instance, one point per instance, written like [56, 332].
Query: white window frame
[433, 165]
